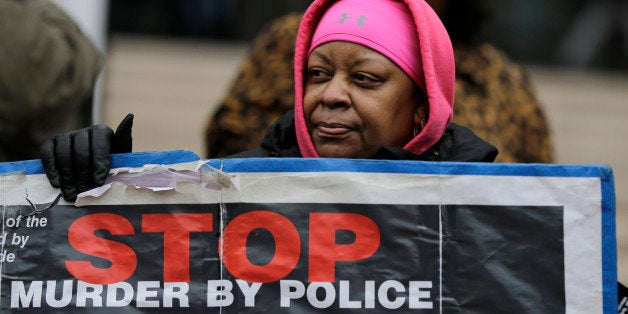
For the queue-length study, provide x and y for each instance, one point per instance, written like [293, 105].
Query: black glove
[80, 160]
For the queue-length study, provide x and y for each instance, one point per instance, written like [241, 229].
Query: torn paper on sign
[178, 182]
[16, 188]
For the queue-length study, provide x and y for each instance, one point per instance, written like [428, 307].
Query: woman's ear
[421, 115]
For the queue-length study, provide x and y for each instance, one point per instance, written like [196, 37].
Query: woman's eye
[317, 74]
[363, 78]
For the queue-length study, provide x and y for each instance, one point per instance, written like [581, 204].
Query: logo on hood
[345, 16]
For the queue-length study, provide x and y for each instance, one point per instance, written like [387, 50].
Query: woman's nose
[336, 94]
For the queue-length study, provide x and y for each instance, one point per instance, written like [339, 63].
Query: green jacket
[47, 74]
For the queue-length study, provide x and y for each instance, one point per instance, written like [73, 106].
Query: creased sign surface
[268, 235]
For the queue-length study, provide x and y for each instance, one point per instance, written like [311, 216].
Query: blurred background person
[47, 73]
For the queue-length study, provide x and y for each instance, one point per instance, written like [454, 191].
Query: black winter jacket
[457, 144]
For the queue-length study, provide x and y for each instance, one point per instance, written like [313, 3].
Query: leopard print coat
[494, 98]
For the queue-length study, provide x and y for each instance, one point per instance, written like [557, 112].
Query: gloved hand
[80, 160]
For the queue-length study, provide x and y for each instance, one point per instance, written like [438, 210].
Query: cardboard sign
[309, 235]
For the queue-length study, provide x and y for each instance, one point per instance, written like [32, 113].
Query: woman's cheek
[308, 107]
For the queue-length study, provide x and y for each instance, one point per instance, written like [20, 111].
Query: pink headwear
[435, 54]
[382, 25]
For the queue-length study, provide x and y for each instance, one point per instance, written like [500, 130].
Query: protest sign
[309, 235]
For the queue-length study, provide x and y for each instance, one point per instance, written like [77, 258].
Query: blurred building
[217, 19]
[582, 33]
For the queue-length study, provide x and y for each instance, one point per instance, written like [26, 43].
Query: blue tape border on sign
[609, 243]
[117, 160]
[604, 172]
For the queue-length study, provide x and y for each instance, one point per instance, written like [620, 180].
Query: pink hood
[438, 68]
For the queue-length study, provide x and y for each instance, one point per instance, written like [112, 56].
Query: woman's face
[357, 100]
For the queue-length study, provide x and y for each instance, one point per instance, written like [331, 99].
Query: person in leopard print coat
[493, 95]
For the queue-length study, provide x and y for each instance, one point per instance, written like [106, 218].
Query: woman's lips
[332, 128]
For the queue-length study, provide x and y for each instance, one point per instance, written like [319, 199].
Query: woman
[373, 79]
[494, 96]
